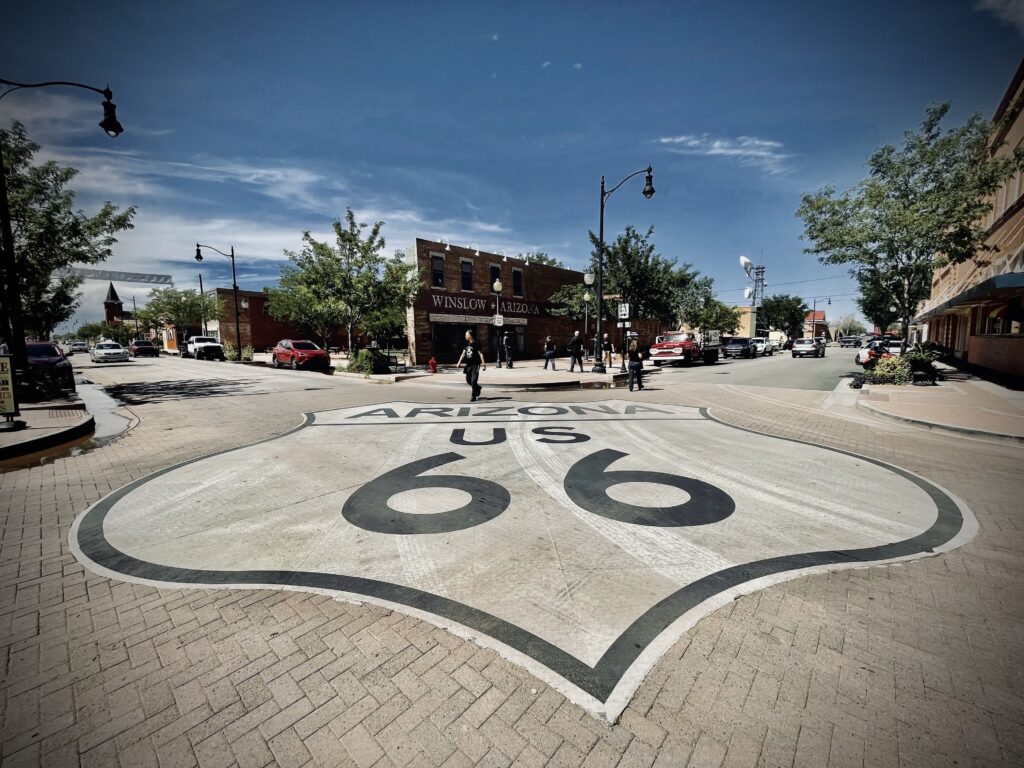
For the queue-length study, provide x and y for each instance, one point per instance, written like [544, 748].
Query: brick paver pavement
[910, 664]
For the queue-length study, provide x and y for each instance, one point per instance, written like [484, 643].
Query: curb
[83, 428]
[938, 426]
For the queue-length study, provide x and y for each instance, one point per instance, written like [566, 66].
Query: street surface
[780, 370]
[459, 603]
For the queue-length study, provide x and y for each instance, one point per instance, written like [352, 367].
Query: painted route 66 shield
[578, 539]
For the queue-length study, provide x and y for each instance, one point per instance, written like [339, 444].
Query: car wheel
[794, 354]
[657, 363]
[274, 361]
[295, 365]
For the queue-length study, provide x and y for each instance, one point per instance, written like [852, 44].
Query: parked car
[79, 346]
[204, 348]
[299, 353]
[849, 341]
[143, 348]
[108, 352]
[46, 361]
[739, 346]
[681, 348]
[763, 346]
[895, 347]
[807, 348]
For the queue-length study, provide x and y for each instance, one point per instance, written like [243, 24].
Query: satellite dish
[747, 264]
[747, 292]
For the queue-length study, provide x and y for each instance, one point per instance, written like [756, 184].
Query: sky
[491, 124]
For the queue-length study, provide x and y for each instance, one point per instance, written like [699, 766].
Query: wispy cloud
[578, 65]
[493, 37]
[55, 115]
[748, 150]
[545, 65]
[1008, 11]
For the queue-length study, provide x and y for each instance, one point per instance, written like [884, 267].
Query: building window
[495, 274]
[517, 282]
[467, 274]
[436, 271]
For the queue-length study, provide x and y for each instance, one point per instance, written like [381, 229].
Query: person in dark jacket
[474, 358]
[549, 353]
[575, 347]
[506, 344]
[636, 364]
[607, 350]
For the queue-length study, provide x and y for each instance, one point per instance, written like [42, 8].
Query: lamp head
[244, 303]
[110, 123]
[649, 183]
[199, 254]
[588, 278]
[497, 286]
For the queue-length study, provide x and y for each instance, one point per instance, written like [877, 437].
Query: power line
[794, 282]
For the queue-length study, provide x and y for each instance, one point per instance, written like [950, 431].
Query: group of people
[472, 358]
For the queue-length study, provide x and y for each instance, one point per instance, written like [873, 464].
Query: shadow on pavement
[141, 393]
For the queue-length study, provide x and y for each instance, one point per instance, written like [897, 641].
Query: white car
[764, 347]
[108, 352]
[79, 346]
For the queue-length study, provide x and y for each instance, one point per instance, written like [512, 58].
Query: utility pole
[135, 316]
[202, 304]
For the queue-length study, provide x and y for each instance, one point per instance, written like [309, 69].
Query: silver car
[108, 352]
[807, 348]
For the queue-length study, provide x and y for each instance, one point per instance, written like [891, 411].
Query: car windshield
[304, 345]
[742, 342]
[142, 343]
[671, 338]
[108, 345]
[204, 340]
[804, 342]
[42, 350]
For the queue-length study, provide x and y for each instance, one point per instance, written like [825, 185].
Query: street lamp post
[13, 328]
[234, 287]
[648, 193]
[497, 312]
[202, 305]
[588, 279]
[135, 316]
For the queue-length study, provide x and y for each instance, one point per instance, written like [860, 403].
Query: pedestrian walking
[607, 350]
[636, 364]
[549, 354]
[506, 343]
[575, 347]
[474, 358]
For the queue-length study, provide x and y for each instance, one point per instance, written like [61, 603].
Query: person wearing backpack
[575, 348]
[549, 354]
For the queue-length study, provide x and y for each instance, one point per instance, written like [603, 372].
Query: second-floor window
[437, 271]
[495, 274]
[467, 275]
[517, 282]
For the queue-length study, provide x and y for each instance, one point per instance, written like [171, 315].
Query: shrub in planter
[230, 353]
[890, 370]
[247, 352]
[368, 361]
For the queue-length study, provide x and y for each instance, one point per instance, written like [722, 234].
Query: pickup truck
[204, 348]
[681, 348]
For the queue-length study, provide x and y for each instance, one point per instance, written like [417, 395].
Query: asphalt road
[779, 370]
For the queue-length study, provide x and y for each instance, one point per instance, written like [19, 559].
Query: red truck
[683, 348]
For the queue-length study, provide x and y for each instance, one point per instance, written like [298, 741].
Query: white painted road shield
[578, 539]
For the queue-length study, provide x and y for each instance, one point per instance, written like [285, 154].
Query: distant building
[113, 310]
[816, 325]
[976, 309]
[259, 328]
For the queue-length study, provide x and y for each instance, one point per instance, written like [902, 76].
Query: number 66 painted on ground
[586, 483]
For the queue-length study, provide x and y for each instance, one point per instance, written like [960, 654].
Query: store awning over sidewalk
[993, 289]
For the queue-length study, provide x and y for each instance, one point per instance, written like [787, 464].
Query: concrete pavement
[911, 664]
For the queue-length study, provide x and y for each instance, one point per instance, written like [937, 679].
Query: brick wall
[1004, 354]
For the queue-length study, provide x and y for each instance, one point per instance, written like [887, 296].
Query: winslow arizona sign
[578, 539]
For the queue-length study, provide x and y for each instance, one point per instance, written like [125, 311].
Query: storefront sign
[8, 403]
[435, 317]
[480, 304]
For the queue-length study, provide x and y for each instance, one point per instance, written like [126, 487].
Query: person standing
[549, 354]
[636, 364]
[575, 347]
[474, 358]
[607, 350]
[506, 343]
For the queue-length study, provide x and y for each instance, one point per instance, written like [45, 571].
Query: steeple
[111, 296]
[112, 310]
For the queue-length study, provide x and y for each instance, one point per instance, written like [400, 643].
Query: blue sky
[492, 123]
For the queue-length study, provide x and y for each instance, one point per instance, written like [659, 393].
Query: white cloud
[545, 65]
[578, 65]
[54, 115]
[748, 150]
[1008, 11]
[493, 36]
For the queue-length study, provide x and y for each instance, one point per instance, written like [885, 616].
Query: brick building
[457, 296]
[260, 329]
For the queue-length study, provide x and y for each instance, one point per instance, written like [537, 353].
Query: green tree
[785, 313]
[717, 315]
[50, 234]
[568, 301]
[539, 257]
[651, 284]
[184, 309]
[849, 325]
[921, 206]
[876, 301]
[122, 334]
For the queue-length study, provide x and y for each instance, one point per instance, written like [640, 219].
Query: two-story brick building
[458, 295]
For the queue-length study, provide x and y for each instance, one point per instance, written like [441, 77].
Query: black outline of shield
[599, 681]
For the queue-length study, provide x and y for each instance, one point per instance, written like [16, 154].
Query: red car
[299, 353]
[143, 348]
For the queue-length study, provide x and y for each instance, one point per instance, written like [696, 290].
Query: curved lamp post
[648, 193]
[234, 286]
[9, 267]
[588, 296]
[496, 287]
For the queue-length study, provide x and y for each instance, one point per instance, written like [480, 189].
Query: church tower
[113, 311]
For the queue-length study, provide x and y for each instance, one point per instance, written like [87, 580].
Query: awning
[992, 289]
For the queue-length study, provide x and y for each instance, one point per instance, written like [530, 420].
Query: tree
[539, 257]
[122, 334]
[49, 234]
[327, 287]
[784, 313]
[849, 325]
[717, 315]
[876, 301]
[651, 284]
[921, 206]
[568, 301]
[183, 309]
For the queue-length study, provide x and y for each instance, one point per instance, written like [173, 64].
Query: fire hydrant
[432, 363]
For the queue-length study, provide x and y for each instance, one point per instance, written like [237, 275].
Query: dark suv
[740, 346]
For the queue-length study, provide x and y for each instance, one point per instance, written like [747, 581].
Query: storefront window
[495, 273]
[517, 282]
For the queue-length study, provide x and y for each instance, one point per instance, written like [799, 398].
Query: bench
[395, 366]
